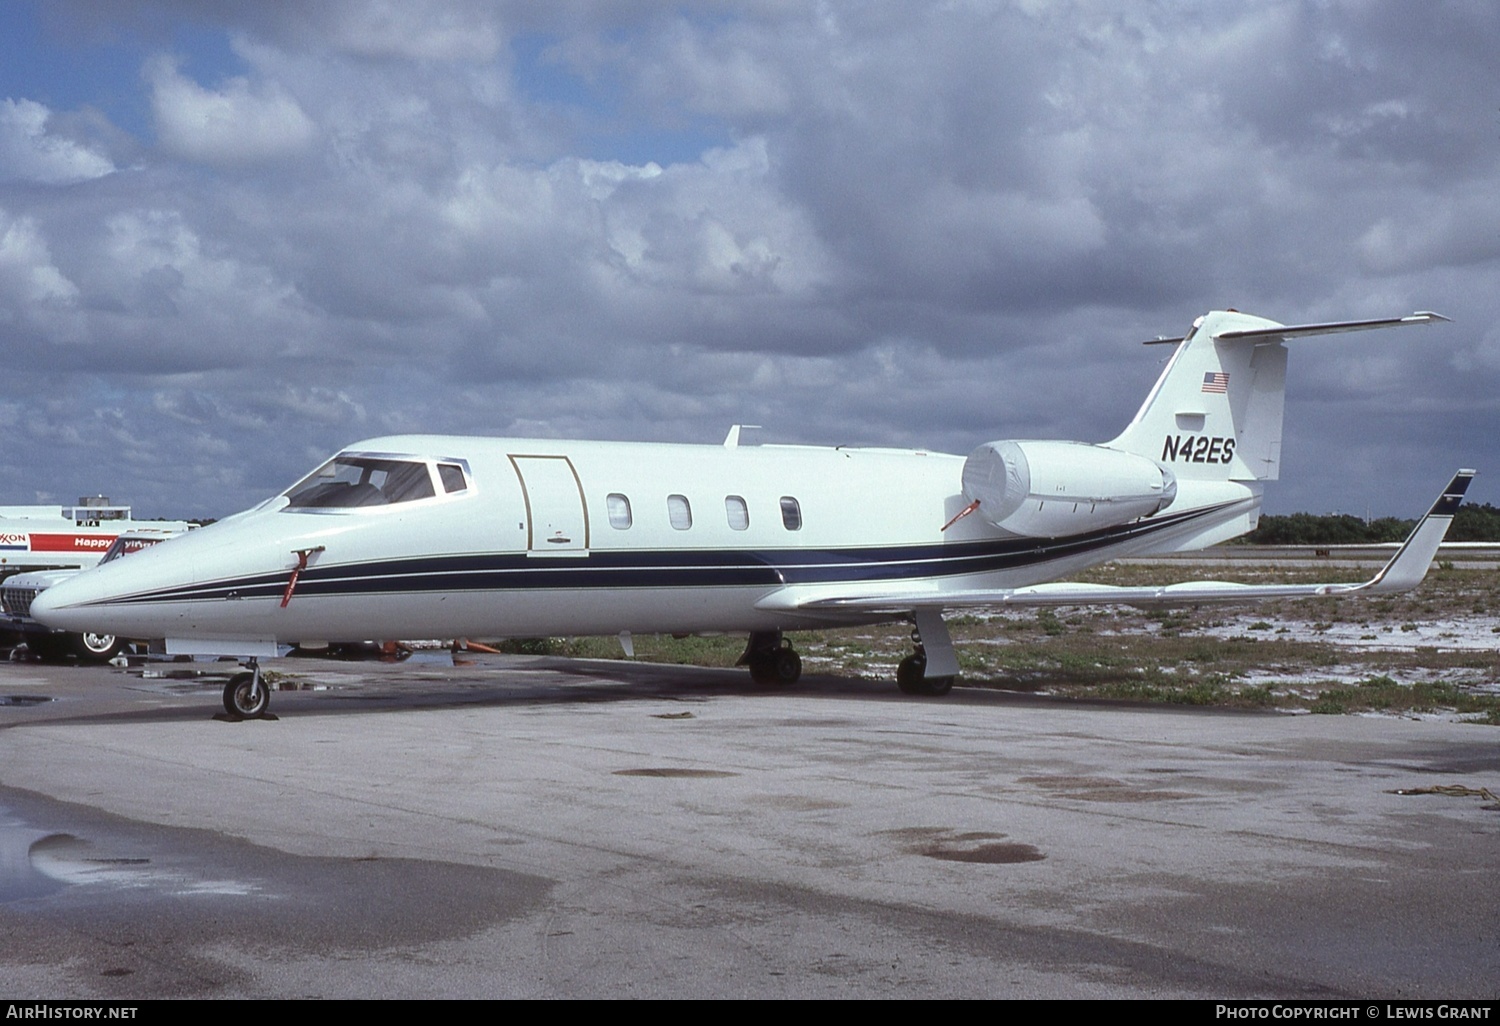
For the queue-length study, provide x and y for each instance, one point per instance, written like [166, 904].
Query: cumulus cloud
[238, 123]
[28, 152]
[1461, 229]
[28, 278]
[318, 404]
[393, 28]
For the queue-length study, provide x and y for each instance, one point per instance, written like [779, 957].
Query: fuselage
[519, 538]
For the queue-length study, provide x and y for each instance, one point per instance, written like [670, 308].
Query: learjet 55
[445, 536]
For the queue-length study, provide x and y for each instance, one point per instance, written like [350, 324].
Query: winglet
[1409, 565]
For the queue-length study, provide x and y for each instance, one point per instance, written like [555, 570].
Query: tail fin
[1215, 412]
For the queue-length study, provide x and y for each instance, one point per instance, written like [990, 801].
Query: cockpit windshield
[125, 546]
[349, 480]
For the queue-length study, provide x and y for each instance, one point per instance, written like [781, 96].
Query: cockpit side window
[405, 482]
[347, 481]
[452, 476]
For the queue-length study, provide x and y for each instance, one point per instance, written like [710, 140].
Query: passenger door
[557, 521]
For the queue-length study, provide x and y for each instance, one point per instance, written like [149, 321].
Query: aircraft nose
[58, 605]
[87, 602]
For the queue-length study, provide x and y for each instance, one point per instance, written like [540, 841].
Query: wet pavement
[532, 827]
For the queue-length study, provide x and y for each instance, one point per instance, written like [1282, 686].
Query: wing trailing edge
[1404, 571]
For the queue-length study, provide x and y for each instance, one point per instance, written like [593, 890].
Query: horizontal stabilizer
[1286, 331]
[1404, 572]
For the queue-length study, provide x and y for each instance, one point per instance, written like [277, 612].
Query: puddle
[429, 652]
[35, 863]
[19, 879]
[96, 895]
[981, 847]
[798, 803]
[672, 771]
[1101, 789]
[988, 854]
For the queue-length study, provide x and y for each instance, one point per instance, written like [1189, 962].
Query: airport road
[543, 828]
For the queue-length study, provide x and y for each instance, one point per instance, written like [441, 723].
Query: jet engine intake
[1051, 489]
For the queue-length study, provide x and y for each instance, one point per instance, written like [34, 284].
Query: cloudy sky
[236, 236]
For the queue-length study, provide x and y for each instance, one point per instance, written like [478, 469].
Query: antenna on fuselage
[732, 440]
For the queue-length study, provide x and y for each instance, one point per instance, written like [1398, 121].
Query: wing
[1404, 572]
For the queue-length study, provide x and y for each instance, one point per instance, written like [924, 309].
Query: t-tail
[1213, 419]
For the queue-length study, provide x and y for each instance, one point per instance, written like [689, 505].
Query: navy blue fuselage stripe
[665, 568]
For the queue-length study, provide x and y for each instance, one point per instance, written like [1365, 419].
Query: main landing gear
[929, 670]
[246, 696]
[771, 659]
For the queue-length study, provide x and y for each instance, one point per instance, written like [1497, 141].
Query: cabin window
[679, 512]
[737, 512]
[348, 481]
[791, 513]
[452, 476]
[619, 510]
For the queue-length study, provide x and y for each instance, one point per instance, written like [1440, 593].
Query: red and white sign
[71, 542]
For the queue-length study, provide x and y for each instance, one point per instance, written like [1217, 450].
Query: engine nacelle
[1051, 489]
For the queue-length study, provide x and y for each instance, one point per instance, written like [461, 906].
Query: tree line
[1472, 523]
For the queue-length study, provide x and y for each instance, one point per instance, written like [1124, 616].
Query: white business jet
[445, 536]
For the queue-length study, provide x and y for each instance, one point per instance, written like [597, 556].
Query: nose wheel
[246, 696]
[96, 648]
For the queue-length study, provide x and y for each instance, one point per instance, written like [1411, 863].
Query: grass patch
[713, 650]
[1050, 625]
[1384, 694]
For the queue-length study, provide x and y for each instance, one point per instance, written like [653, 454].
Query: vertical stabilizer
[1215, 413]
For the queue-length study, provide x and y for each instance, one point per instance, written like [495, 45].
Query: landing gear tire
[909, 674]
[911, 678]
[788, 666]
[937, 687]
[95, 648]
[780, 667]
[245, 697]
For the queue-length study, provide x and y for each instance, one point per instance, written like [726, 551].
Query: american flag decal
[1216, 381]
